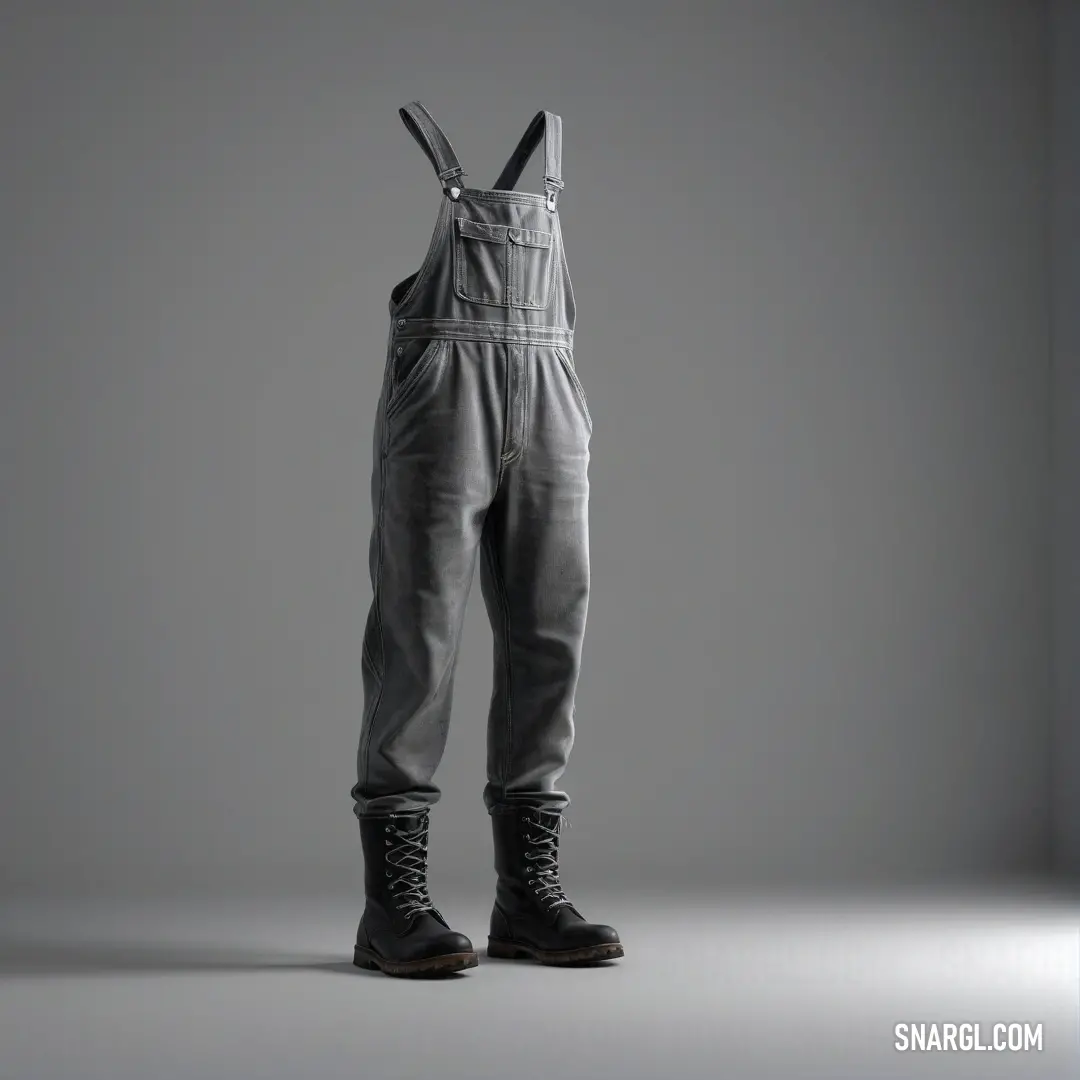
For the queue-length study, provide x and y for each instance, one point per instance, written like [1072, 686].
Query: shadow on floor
[29, 958]
[43, 958]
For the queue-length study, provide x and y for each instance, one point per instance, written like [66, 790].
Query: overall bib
[481, 451]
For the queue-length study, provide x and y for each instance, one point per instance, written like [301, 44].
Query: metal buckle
[451, 175]
[553, 185]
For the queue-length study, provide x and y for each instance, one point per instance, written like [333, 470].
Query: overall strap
[549, 126]
[435, 144]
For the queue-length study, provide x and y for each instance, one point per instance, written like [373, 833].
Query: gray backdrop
[810, 246]
[1065, 313]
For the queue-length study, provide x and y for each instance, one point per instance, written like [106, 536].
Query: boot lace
[409, 859]
[544, 855]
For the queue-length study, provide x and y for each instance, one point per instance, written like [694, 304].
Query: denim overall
[481, 449]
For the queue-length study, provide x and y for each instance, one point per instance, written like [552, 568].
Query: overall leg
[434, 476]
[438, 438]
[535, 576]
[535, 579]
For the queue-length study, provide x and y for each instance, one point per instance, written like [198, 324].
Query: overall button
[401, 322]
[400, 349]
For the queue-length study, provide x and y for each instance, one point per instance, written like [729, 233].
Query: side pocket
[566, 358]
[407, 372]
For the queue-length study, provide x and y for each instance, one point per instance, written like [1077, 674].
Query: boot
[532, 917]
[401, 932]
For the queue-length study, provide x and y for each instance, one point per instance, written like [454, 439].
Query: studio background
[827, 360]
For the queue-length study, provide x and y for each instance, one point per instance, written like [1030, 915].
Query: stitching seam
[380, 671]
[490, 554]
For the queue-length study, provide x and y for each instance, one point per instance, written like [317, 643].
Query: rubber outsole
[432, 965]
[500, 949]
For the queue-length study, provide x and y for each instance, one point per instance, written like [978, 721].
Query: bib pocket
[529, 267]
[502, 265]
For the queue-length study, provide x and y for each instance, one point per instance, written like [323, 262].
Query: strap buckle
[552, 185]
[446, 177]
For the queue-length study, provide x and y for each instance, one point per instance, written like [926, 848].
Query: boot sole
[499, 949]
[431, 965]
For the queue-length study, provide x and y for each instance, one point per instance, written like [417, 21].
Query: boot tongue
[550, 819]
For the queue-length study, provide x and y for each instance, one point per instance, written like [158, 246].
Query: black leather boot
[532, 917]
[401, 932]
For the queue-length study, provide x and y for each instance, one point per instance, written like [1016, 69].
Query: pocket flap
[479, 230]
[531, 237]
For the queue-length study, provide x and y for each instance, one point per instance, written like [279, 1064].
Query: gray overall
[481, 449]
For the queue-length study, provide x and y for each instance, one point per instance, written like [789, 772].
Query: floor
[713, 985]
